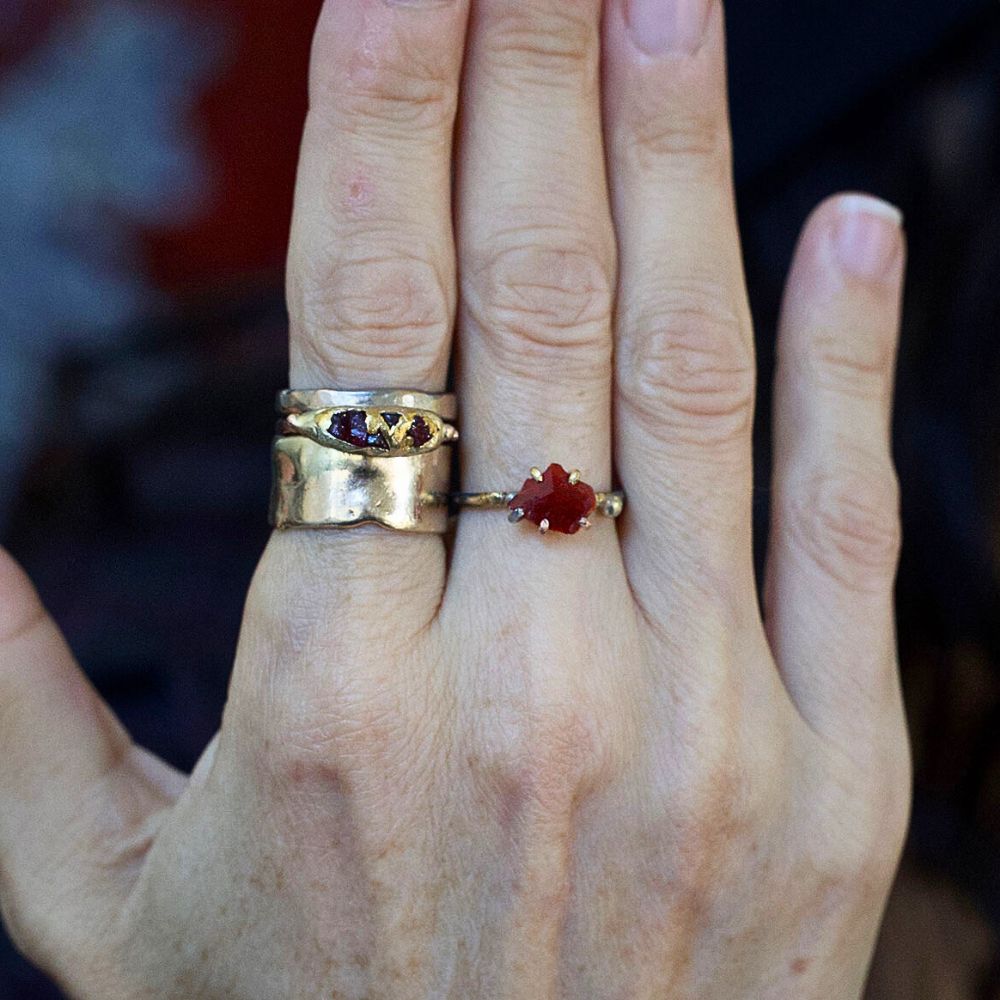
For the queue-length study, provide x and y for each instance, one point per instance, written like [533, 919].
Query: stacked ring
[347, 458]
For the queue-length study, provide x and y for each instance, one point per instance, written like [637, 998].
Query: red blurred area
[250, 120]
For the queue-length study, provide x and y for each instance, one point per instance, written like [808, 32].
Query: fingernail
[662, 27]
[867, 236]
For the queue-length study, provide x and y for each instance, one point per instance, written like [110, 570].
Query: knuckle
[709, 822]
[337, 738]
[689, 370]
[851, 365]
[865, 857]
[848, 522]
[697, 137]
[385, 308]
[544, 306]
[330, 733]
[557, 752]
[547, 46]
[403, 90]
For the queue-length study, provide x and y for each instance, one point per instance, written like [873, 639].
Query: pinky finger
[76, 797]
[835, 521]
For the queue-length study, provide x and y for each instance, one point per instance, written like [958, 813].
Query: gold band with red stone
[344, 459]
[553, 500]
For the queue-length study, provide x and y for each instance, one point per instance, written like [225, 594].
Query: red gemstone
[420, 432]
[556, 500]
[350, 426]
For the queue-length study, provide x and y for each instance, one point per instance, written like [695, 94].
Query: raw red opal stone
[556, 500]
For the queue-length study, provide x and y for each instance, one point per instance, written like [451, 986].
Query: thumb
[78, 801]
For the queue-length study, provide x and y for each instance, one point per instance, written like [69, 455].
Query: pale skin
[585, 767]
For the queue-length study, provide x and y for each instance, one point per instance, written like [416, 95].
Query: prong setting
[557, 501]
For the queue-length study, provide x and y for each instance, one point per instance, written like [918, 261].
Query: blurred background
[147, 155]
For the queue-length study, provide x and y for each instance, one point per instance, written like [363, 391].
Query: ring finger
[685, 366]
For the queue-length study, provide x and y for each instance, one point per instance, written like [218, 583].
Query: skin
[586, 767]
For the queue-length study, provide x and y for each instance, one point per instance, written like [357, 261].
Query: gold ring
[372, 430]
[343, 459]
[300, 400]
[554, 500]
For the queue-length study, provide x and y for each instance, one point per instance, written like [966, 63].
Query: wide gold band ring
[343, 459]
[553, 500]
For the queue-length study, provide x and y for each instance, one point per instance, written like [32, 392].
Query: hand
[549, 767]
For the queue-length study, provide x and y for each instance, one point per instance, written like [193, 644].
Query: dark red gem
[556, 500]
[351, 427]
[420, 432]
[392, 418]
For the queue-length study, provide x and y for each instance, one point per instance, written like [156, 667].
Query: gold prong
[536, 474]
[517, 514]
[575, 476]
[544, 526]
[584, 522]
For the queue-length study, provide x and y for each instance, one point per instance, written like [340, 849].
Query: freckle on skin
[360, 195]
[800, 965]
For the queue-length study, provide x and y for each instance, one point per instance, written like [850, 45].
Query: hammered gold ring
[343, 459]
[553, 500]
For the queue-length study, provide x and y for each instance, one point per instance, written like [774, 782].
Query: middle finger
[536, 248]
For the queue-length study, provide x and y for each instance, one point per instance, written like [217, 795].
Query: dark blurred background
[147, 155]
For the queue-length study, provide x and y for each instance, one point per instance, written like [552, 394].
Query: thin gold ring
[442, 404]
[553, 500]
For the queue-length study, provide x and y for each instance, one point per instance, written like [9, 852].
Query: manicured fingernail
[661, 27]
[867, 236]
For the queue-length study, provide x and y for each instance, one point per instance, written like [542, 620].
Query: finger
[835, 523]
[371, 262]
[78, 802]
[371, 285]
[684, 362]
[536, 247]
